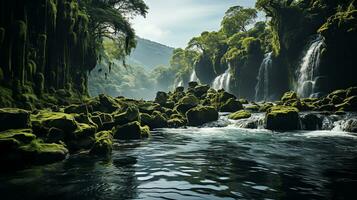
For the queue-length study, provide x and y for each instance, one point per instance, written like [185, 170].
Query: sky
[175, 22]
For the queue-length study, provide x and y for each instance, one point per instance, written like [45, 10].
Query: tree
[237, 19]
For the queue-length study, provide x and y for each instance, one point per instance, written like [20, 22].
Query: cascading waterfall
[194, 77]
[262, 87]
[178, 82]
[308, 71]
[222, 81]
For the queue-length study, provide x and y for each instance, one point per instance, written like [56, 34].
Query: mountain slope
[149, 54]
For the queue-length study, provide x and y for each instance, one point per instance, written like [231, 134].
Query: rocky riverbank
[50, 135]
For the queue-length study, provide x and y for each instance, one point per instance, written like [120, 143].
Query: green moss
[242, 114]
[103, 144]
[131, 114]
[282, 118]
[22, 136]
[63, 121]
[131, 131]
[289, 95]
[201, 114]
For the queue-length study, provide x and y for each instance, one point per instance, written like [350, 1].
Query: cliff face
[45, 47]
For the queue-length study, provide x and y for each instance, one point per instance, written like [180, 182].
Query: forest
[262, 108]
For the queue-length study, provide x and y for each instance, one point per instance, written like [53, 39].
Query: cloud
[174, 22]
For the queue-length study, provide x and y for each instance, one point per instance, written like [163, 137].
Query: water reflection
[207, 163]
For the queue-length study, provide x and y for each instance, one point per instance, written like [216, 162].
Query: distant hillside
[149, 54]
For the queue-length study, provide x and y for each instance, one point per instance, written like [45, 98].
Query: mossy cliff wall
[45, 47]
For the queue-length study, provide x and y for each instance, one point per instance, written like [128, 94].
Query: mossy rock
[155, 120]
[242, 114]
[186, 103]
[83, 108]
[82, 137]
[265, 106]
[231, 105]
[311, 122]
[104, 104]
[339, 93]
[282, 118]
[179, 89]
[63, 121]
[200, 115]
[289, 96]
[131, 131]
[131, 114]
[200, 90]
[175, 123]
[103, 144]
[148, 107]
[349, 104]
[14, 118]
[161, 97]
[243, 101]
[20, 135]
[43, 153]
[252, 108]
[192, 84]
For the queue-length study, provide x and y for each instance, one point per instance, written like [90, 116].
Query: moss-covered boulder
[242, 114]
[103, 144]
[349, 104]
[155, 120]
[42, 153]
[192, 84]
[131, 114]
[200, 90]
[282, 118]
[131, 131]
[176, 122]
[289, 96]
[47, 119]
[161, 97]
[200, 115]
[186, 103]
[83, 108]
[231, 105]
[14, 118]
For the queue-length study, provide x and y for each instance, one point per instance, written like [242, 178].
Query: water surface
[201, 163]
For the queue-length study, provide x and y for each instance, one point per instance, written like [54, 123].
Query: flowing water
[193, 76]
[262, 87]
[308, 71]
[222, 81]
[177, 83]
[202, 163]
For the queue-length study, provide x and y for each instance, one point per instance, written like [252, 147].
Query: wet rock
[311, 122]
[186, 103]
[14, 118]
[231, 105]
[55, 135]
[131, 114]
[47, 119]
[288, 96]
[350, 125]
[77, 109]
[200, 90]
[161, 98]
[103, 144]
[155, 120]
[82, 137]
[200, 115]
[192, 84]
[242, 114]
[282, 118]
[176, 123]
[131, 131]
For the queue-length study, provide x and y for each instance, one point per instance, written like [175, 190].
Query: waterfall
[222, 81]
[309, 68]
[262, 87]
[178, 82]
[193, 76]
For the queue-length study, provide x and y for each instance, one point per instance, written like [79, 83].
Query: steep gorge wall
[45, 47]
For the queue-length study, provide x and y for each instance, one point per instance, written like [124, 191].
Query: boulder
[231, 105]
[242, 114]
[83, 108]
[186, 103]
[14, 118]
[155, 120]
[82, 137]
[192, 84]
[161, 98]
[103, 144]
[288, 96]
[131, 131]
[47, 119]
[200, 90]
[350, 125]
[176, 123]
[179, 89]
[200, 115]
[311, 122]
[349, 104]
[282, 118]
[131, 114]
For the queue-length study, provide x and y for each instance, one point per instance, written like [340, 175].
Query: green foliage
[237, 19]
